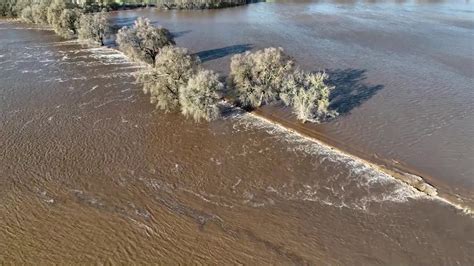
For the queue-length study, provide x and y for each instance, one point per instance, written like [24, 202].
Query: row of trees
[177, 81]
[171, 4]
[68, 20]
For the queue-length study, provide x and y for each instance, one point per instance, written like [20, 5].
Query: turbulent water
[90, 172]
[403, 71]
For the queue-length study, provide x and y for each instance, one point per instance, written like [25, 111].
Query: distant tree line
[13, 8]
[196, 4]
[180, 4]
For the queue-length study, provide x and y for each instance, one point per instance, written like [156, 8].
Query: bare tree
[27, 15]
[94, 27]
[256, 78]
[54, 11]
[200, 96]
[143, 41]
[67, 24]
[173, 68]
[39, 13]
[307, 93]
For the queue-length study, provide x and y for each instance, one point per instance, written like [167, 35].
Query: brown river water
[91, 173]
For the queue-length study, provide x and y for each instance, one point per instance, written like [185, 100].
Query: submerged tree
[257, 78]
[39, 12]
[172, 71]
[307, 93]
[20, 5]
[67, 24]
[27, 15]
[143, 41]
[94, 27]
[200, 96]
[54, 11]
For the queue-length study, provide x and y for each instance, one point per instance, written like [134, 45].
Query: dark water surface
[90, 172]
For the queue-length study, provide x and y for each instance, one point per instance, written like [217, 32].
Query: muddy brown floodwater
[91, 173]
[403, 71]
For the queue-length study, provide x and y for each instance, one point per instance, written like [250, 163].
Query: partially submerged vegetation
[199, 98]
[175, 80]
[257, 78]
[68, 20]
[143, 41]
[307, 94]
[269, 75]
[178, 82]
[67, 26]
[172, 71]
[93, 27]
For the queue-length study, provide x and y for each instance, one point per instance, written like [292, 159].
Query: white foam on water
[109, 56]
[208, 198]
[31, 71]
[361, 175]
[53, 44]
[117, 75]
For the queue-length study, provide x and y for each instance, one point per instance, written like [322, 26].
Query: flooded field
[91, 173]
[403, 71]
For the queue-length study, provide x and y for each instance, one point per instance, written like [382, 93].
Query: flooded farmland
[90, 172]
